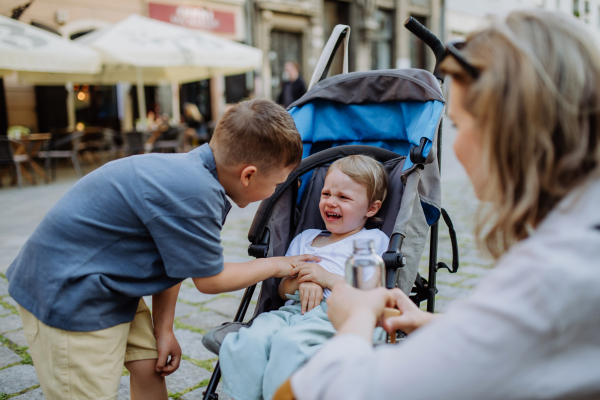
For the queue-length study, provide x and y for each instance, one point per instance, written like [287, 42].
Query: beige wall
[20, 103]
[110, 11]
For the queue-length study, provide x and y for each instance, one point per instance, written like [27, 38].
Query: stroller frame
[423, 289]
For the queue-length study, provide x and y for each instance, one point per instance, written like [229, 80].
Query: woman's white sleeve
[498, 344]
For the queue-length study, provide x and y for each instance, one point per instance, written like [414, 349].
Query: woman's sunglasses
[453, 49]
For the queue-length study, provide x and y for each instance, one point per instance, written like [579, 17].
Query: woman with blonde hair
[526, 103]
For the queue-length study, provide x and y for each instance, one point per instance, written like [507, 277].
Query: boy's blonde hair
[260, 133]
[537, 105]
[367, 172]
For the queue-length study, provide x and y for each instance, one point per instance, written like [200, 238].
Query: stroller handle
[434, 43]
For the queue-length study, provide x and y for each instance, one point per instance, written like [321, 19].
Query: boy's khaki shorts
[87, 365]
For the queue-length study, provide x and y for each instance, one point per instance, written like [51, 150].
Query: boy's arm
[237, 276]
[163, 315]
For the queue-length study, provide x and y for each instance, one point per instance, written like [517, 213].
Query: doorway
[51, 107]
[285, 46]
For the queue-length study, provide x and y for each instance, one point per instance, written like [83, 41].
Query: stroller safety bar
[394, 258]
[260, 249]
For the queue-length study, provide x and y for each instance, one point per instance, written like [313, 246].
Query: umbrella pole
[70, 105]
[141, 95]
[175, 101]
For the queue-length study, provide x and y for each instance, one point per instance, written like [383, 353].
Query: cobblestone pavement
[196, 313]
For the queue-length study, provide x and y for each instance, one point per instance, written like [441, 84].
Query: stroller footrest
[213, 339]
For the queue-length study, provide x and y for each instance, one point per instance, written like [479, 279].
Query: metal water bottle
[365, 269]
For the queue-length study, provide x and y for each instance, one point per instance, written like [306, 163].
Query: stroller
[393, 116]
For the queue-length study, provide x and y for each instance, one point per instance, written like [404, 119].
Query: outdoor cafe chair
[7, 158]
[170, 141]
[62, 146]
[136, 142]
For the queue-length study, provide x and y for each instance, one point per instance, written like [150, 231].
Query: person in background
[293, 87]
[525, 99]
[196, 132]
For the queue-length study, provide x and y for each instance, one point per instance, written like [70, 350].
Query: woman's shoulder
[558, 276]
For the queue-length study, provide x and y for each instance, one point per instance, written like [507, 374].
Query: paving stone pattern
[196, 312]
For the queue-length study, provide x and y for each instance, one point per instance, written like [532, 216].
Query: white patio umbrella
[27, 48]
[144, 50]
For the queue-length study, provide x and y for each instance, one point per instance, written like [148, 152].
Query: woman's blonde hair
[537, 104]
[365, 171]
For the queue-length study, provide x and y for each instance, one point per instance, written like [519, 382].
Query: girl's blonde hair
[365, 171]
[537, 104]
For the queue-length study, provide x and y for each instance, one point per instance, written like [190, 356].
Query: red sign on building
[194, 17]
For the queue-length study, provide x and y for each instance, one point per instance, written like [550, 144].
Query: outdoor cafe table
[29, 145]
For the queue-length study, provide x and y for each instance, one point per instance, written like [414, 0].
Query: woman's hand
[412, 317]
[167, 345]
[311, 295]
[357, 311]
[312, 272]
[283, 265]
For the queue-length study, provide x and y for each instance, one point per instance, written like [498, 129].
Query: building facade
[285, 30]
[464, 16]
[288, 30]
[43, 108]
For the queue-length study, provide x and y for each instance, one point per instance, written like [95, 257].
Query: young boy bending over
[138, 227]
[255, 361]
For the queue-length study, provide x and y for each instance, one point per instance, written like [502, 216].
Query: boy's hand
[311, 295]
[284, 265]
[312, 272]
[167, 345]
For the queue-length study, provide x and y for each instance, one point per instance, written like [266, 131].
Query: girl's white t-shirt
[334, 256]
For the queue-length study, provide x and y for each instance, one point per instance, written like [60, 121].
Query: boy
[137, 227]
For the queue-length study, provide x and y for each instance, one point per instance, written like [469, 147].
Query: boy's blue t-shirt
[132, 228]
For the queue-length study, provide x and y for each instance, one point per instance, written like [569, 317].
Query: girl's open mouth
[332, 216]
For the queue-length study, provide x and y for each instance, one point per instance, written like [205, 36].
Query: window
[381, 45]
[586, 15]
[576, 8]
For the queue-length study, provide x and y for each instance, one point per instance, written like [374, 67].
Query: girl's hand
[365, 306]
[311, 295]
[412, 317]
[312, 272]
[283, 265]
[167, 345]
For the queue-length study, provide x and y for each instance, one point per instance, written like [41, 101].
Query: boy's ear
[374, 208]
[247, 174]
